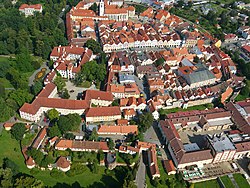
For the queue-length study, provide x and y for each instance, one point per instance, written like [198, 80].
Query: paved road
[33, 76]
[151, 136]
[233, 180]
[140, 176]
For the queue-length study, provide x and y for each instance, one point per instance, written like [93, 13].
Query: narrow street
[233, 180]
[141, 175]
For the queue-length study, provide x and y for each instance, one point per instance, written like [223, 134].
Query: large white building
[29, 10]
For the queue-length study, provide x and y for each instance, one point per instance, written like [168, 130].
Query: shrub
[56, 173]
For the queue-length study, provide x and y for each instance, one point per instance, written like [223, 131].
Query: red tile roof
[118, 129]
[62, 162]
[100, 95]
[168, 165]
[36, 6]
[41, 135]
[103, 111]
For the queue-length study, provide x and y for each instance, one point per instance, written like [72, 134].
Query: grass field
[198, 107]
[241, 181]
[10, 148]
[207, 184]
[227, 182]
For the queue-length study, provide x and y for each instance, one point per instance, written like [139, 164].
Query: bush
[56, 173]
[34, 171]
[76, 169]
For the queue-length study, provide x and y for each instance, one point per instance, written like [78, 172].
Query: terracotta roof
[76, 144]
[168, 165]
[53, 103]
[36, 6]
[247, 48]
[41, 135]
[244, 146]
[30, 161]
[129, 112]
[100, 95]
[122, 122]
[117, 129]
[62, 162]
[47, 90]
[8, 124]
[103, 111]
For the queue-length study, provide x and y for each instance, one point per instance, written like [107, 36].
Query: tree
[111, 144]
[54, 131]
[37, 155]
[6, 111]
[7, 163]
[28, 182]
[36, 87]
[145, 121]
[65, 94]
[21, 96]
[69, 122]
[6, 177]
[94, 135]
[94, 46]
[94, 7]
[24, 61]
[69, 136]
[60, 83]
[53, 114]
[159, 62]
[18, 130]
[2, 90]
[115, 103]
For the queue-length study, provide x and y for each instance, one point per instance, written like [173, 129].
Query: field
[241, 181]
[207, 184]
[227, 182]
[10, 148]
[198, 107]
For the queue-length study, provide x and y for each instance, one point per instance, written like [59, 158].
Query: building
[152, 163]
[129, 114]
[98, 98]
[77, 145]
[99, 114]
[68, 60]
[44, 102]
[39, 138]
[30, 10]
[221, 147]
[182, 156]
[63, 164]
[117, 129]
[197, 77]
[30, 163]
[7, 126]
[169, 167]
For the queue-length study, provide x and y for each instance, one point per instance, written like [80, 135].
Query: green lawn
[207, 184]
[198, 107]
[227, 182]
[241, 181]
[10, 148]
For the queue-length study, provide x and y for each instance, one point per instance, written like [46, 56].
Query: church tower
[101, 8]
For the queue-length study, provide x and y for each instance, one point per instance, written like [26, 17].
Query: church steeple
[101, 8]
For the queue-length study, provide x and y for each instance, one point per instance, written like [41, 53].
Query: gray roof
[200, 75]
[220, 143]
